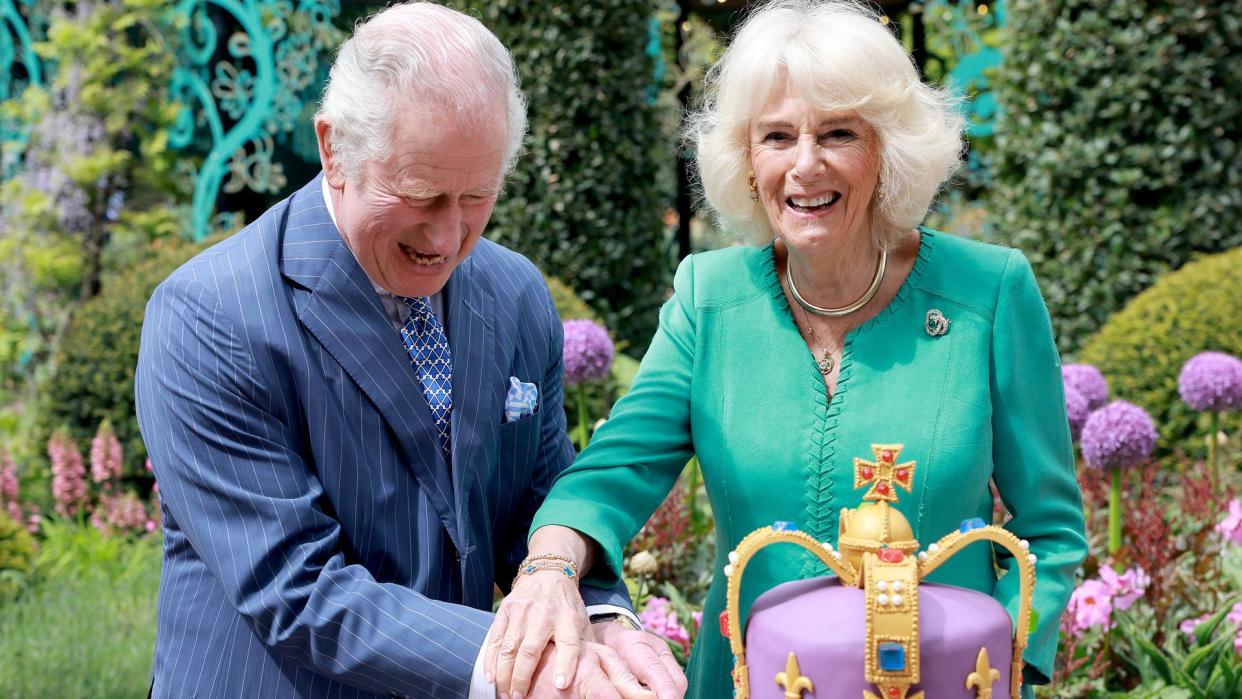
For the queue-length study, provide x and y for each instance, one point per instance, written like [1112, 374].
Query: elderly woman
[777, 365]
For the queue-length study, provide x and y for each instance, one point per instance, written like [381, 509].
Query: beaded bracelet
[546, 561]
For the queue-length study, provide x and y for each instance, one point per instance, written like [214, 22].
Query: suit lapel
[343, 312]
[477, 384]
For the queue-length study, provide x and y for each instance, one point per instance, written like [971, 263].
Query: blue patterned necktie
[429, 351]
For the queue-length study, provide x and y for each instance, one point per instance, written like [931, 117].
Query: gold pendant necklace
[825, 363]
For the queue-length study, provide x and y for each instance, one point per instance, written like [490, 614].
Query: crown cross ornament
[884, 475]
[792, 681]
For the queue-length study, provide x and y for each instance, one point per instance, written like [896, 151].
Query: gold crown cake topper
[876, 551]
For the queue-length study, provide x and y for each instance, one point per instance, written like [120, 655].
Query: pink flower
[1188, 626]
[1090, 605]
[1127, 587]
[1230, 528]
[1233, 617]
[106, 458]
[660, 618]
[8, 478]
[698, 619]
[122, 513]
[68, 475]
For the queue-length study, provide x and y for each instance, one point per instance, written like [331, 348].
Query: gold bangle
[546, 561]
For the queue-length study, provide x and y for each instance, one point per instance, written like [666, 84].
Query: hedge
[94, 377]
[1119, 150]
[1141, 350]
[586, 202]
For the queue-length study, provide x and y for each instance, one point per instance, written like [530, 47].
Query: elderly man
[353, 406]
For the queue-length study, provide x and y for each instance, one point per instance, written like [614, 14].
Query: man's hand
[601, 674]
[647, 656]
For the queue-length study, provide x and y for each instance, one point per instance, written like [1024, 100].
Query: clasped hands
[543, 645]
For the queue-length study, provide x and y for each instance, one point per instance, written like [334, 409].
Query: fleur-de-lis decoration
[792, 680]
[884, 475]
[983, 677]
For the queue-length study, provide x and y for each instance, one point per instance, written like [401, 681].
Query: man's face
[411, 218]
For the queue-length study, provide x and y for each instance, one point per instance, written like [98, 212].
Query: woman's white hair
[839, 55]
[422, 54]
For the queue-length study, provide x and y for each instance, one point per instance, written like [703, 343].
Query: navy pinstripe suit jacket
[316, 544]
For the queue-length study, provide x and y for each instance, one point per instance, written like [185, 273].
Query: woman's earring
[754, 186]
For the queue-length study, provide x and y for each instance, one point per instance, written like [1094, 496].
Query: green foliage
[17, 556]
[569, 306]
[94, 377]
[1203, 667]
[1119, 154]
[85, 627]
[96, 174]
[1141, 350]
[585, 202]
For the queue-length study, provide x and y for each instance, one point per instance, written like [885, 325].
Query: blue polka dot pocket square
[522, 399]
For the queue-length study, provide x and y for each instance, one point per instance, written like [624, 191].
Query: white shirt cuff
[480, 688]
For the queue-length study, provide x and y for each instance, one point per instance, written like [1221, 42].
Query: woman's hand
[543, 606]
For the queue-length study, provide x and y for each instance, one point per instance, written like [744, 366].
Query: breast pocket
[519, 442]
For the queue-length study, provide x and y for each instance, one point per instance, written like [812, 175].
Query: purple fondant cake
[823, 622]
[875, 630]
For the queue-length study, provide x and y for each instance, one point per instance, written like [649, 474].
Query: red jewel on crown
[891, 555]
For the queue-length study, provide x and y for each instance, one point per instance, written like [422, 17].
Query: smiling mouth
[424, 259]
[813, 205]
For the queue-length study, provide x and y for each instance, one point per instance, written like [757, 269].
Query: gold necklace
[825, 363]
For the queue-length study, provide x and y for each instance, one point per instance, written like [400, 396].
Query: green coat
[729, 378]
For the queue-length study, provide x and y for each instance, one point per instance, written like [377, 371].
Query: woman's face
[816, 171]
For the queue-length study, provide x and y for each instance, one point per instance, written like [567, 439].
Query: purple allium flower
[588, 351]
[1211, 381]
[1088, 381]
[1078, 409]
[1120, 434]
[1091, 604]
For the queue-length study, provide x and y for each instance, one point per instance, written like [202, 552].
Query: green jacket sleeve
[635, 457]
[1034, 459]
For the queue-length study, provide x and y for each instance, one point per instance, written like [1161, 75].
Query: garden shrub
[1119, 150]
[587, 200]
[569, 306]
[1141, 350]
[95, 365]
[17, 556]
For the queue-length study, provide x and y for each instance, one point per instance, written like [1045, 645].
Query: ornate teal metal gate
[261, 93]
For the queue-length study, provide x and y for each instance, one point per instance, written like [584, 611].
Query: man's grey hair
[840, 56]
[425, 55]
